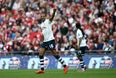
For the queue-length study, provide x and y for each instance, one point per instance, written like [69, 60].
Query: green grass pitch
[72, 73]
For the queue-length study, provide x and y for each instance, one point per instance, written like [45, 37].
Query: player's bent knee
[41, 52]
[54, 52]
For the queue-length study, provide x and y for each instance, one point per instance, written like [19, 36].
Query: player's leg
[57, 56]
[41, 56]
[80, 55]
[56, 53]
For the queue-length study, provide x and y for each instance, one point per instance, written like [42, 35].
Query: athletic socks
[41, 62]
[80, 57]
[56, 56]
[82, 64]
[60, 60]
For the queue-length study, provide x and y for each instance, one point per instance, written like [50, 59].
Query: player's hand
[55, 6]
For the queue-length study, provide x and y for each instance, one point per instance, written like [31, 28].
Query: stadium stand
[20, 20]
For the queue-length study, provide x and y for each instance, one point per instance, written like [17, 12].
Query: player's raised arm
[52, 17]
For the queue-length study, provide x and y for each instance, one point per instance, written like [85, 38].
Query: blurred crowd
[20, 20]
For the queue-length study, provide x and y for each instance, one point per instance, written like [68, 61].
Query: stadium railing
[66, 52]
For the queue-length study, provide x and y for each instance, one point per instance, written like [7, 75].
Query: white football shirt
[47, 32]
[80, 35]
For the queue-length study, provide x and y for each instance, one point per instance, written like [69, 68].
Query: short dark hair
[44, 10]
[78, 25]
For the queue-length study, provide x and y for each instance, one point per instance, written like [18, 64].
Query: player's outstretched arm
[52, 17]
